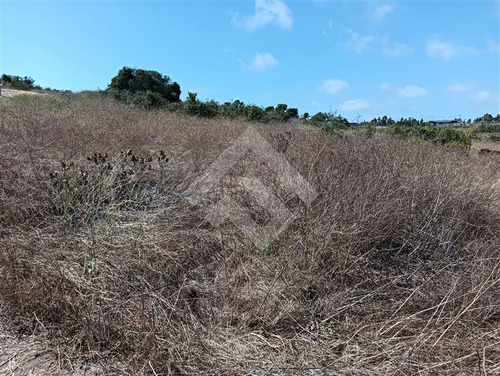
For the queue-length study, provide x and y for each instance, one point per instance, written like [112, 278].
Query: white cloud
[493, 47]
[355, 105]
[333, 86]
[385, 86]
[481, 96]
[412, 91]
[358, 42]
[267, 12]
[458, 87]
[380, 11]
[262, 62]
[439, 49]
[396, 49]
[486, 96]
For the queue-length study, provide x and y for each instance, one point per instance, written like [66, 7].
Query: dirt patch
[31, 355]
[9, 93]
[27, 356]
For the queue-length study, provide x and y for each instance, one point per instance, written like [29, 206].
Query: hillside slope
[106, 262]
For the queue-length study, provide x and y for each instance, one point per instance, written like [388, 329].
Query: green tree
[487, 117]
[139, 85]
[292, 113]
[319, 117]
[255, 113]
[281, 108]
[193, 106]
[18, 82]
[330, 121]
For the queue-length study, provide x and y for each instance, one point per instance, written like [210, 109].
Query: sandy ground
[7, 93]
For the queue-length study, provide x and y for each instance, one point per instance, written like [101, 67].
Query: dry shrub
[394, 267]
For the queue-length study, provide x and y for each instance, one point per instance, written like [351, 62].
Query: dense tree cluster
[237, 109]
[152, 90]
[19, 83]
[329, 121]
[385, 121]
[145, 88]
[487, 118]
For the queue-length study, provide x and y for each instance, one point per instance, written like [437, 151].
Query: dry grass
[394, 269]
[487, 141]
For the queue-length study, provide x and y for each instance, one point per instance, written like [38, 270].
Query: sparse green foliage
[472, 133]
[383, 121]
[369, 128]
[442, 135]
[488, 128]
[329, 121]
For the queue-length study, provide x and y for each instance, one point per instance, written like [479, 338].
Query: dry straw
[393, 269]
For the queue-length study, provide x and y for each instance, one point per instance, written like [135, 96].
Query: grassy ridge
[395, 266]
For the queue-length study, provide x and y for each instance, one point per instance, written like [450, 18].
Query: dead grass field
[484, 141]
[394, 269]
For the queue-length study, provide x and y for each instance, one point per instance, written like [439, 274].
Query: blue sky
[425, 59]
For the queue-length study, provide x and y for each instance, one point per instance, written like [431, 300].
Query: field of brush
[107, 268]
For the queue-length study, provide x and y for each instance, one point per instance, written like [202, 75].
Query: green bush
[369, 128]
[147, 100]
[19, 83]
[443, 135]
[329, 121]
[143, 88]
[254, 113]
[488, 128]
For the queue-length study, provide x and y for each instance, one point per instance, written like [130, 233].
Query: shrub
[292, 113]
[488, 128]
[19, 83]
[254, 113]
[329, 121]
[442, 135]
[145, 88]
[83, 193]
[369, 128]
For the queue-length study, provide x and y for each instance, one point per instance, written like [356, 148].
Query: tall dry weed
[394, 267]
